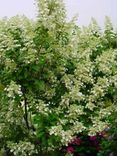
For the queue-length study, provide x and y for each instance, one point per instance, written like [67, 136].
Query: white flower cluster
[51, 13]
[83, 71]
[13, 89]
[107, 62]
[28, 52]
[98, 126]
[75, 110]
[22, 148]
[78, 127]
[66, 136]
[42, 108]
[10, 65]
[99, 89]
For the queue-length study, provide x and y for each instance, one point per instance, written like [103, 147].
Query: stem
[25, 108]
[26, 112]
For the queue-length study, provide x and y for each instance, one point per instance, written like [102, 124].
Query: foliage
[109, 145]
[84, 145]
[56, 80]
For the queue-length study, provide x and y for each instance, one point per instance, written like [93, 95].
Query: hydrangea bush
[56, 80]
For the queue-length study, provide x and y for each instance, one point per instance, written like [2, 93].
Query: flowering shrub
[56, 81]
[84, 145]
[109, 145]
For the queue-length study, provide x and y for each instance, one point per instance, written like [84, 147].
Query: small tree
[56, 81]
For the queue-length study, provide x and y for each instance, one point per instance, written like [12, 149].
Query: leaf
[40, 85]
[35, 67]
[1, 87]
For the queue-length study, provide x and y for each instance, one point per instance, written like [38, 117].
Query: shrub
[109, 145]
[57, 80]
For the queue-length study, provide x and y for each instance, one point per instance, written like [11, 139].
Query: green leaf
[40, 85]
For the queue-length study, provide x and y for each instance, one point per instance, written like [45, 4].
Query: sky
[84, 8]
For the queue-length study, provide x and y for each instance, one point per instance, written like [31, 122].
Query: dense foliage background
[57, 82]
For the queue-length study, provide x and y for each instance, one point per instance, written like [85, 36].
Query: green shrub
[56, 81]
[109, 145]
